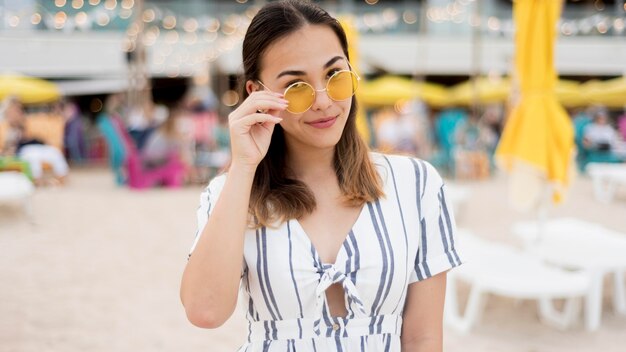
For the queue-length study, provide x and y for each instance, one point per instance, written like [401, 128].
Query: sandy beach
[97, 268]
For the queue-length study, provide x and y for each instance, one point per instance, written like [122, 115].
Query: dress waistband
[336, 327]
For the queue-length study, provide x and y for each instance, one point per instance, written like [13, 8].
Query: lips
[323, 122]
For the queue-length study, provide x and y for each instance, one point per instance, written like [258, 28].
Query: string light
[409, 17]
[59, 19]
[103, 19]
[35, 18]
[77, 4]
[230, 98]
[371, 2]
[126, 13]
[110, 4]
[190, 25]
[128, 4]
[169, 22]
[618, 25]
[60, 3]
[81, 19]
[14, 21]
[148, 15]
[493, 23]
[94, 2]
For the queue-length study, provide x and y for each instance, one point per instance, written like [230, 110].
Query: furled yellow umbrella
[611, 93]
[486, 91]
[538, 140]
[29, 90]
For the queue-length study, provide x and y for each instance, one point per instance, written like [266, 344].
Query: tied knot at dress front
[402, 238]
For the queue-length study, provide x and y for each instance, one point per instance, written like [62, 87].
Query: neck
[311, 164]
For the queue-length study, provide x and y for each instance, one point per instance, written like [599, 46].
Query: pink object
[170, 175]
[204, 123]
[621, 125]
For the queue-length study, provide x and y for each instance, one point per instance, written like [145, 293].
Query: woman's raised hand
[251, 127]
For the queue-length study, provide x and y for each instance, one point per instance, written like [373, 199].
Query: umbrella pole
[543, 208]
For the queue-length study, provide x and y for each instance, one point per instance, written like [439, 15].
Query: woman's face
[311, 54]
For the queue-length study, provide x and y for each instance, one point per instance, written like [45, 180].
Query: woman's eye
[332, 72]
[294, 84]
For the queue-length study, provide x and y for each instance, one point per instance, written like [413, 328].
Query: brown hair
[276, 196]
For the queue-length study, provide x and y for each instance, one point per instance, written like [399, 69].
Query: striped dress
[405, 237]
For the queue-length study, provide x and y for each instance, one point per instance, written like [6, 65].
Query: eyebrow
[302, 73]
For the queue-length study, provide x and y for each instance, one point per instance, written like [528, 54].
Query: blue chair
[445, 129]
[115, 146]
[586, 155]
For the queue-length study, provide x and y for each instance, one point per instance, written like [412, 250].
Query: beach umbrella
[29, 90]
[537, 144]
[485, 90]
[611, 93]
[570, 94]
[389, 90]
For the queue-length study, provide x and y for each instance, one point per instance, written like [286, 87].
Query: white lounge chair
[503, 270]
[606, 179]
[584, 246]
[16, 187]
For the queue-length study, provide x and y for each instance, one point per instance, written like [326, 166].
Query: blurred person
[325, 240]
[74, 134]
[599, 134]
[397, 132]
[166, 142]
[34, 151]
[473, 143]
[145, 119]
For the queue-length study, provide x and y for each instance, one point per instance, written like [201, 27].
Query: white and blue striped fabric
[402, 238]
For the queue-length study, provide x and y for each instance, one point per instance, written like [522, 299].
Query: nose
[322, 100]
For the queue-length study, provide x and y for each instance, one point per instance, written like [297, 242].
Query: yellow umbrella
[388, 90]
[570, 94]
[611, 93]
[487, 91]
[29, 90]
[352, 35]
[538, 140]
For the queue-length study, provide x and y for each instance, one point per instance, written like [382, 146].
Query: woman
[334, 247]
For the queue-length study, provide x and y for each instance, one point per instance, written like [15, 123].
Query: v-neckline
[343, 243]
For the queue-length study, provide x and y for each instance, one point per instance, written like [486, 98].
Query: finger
[268, 104]
[251, 106]
[258, 118]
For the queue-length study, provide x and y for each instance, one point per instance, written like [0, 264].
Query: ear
[252, 86]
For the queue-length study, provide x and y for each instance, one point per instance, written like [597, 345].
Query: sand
[97, 268]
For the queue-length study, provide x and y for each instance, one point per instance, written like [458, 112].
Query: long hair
[275, 195]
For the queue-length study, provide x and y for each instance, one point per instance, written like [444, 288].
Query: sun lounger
[584, 246]
[16, 187]
[606, 179]
[498, 269]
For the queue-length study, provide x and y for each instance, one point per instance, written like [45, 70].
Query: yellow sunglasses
[301, 95]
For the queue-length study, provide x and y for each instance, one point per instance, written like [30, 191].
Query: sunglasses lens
[342, 85]
[300, 97]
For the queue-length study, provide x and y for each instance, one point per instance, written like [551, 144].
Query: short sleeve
[436, 251]
[208, 198]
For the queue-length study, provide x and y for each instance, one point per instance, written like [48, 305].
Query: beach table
[582, 246]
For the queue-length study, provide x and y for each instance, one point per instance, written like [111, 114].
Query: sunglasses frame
[315, 91]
